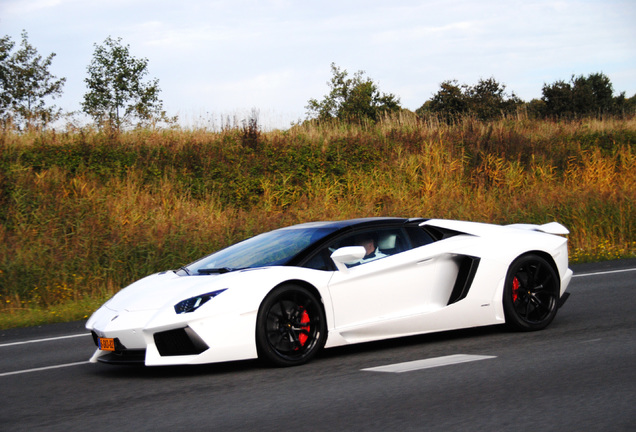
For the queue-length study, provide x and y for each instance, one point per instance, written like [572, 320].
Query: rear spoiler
[549, 228]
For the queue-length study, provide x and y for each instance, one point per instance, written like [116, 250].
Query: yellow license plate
[107, 344]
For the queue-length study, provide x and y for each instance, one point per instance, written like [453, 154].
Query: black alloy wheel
[290, 327]
[531, 293]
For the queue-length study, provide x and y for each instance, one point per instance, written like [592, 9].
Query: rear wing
[549, 228]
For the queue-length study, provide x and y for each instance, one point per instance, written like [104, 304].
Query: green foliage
[26, 84]
[535, 108]
[487, 100]
[558, 99]
[352, 99]
[582, 97]
[592, 94]
[629, 105]
[117, 94]
[449, 102]
[6, 45]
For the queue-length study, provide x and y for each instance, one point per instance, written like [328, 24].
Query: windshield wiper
[184, 269]
[219, 270]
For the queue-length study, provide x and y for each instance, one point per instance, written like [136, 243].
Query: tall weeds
[83, 213]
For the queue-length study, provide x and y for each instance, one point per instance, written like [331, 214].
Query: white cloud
[17, 7]
[226, 55]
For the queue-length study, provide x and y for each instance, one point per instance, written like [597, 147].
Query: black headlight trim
[194, 303]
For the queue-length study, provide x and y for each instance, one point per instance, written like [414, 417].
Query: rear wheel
[531, 293]
[291, 326]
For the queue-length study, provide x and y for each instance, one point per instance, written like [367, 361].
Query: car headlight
[194, 303]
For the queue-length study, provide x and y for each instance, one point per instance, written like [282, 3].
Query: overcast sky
[226, 57]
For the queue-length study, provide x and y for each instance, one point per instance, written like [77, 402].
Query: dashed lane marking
[604, 272]
[43, 368]
[44, 340]
[428, 363]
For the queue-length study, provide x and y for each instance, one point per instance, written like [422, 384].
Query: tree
[557, 98]
[582, 96]
[26, 83]
[486, 100]
[629, 104]
[593, 95]
[535, 108]
[352, 99]
[6, 45]
[117, 94]
[449, 102]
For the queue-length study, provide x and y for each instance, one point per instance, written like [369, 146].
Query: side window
[391, 242]
[419, 237]
[378, 243]
[319, 261]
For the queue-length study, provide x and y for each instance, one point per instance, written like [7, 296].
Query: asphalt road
[577, 375]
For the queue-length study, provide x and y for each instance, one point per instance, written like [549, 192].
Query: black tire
[531, 293]
[290, 327]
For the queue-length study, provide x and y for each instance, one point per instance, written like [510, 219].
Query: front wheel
[291, 327]
[531, 293]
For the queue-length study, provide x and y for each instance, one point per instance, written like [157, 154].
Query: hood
[167, 288]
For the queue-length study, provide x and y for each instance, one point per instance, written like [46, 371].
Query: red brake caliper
[304, 319]
[515, 289]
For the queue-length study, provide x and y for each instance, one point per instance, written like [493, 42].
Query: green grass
[83, 213]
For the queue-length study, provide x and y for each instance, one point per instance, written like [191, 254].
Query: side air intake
[467, 269]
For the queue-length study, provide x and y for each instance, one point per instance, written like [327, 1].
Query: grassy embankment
[83, 213]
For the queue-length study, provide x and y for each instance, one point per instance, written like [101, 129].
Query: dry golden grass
[83, 213]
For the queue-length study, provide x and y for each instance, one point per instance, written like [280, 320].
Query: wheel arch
[309, 287]
[546, 256]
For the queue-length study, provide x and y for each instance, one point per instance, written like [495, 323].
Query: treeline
[359, 98]
[591, 96]
[120, 96]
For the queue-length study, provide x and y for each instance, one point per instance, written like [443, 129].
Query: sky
[226, 59]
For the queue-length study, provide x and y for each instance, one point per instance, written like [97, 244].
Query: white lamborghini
[284, 295]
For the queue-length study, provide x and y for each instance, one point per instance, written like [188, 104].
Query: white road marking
[44, 340]
[428, 363]
[591, 340]
[603, 272]
[42, 368]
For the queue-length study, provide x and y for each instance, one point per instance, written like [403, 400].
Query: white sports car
[285, 294]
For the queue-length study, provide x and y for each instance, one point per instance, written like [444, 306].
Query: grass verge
[83, 213]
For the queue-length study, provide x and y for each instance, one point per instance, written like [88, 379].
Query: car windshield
[267, 249]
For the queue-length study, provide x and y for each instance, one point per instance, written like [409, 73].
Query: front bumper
[156, 338]
[176, 342]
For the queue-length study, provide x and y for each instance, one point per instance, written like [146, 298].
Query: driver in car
[370, 243]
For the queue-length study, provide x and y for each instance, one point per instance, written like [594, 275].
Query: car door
[386, 297]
